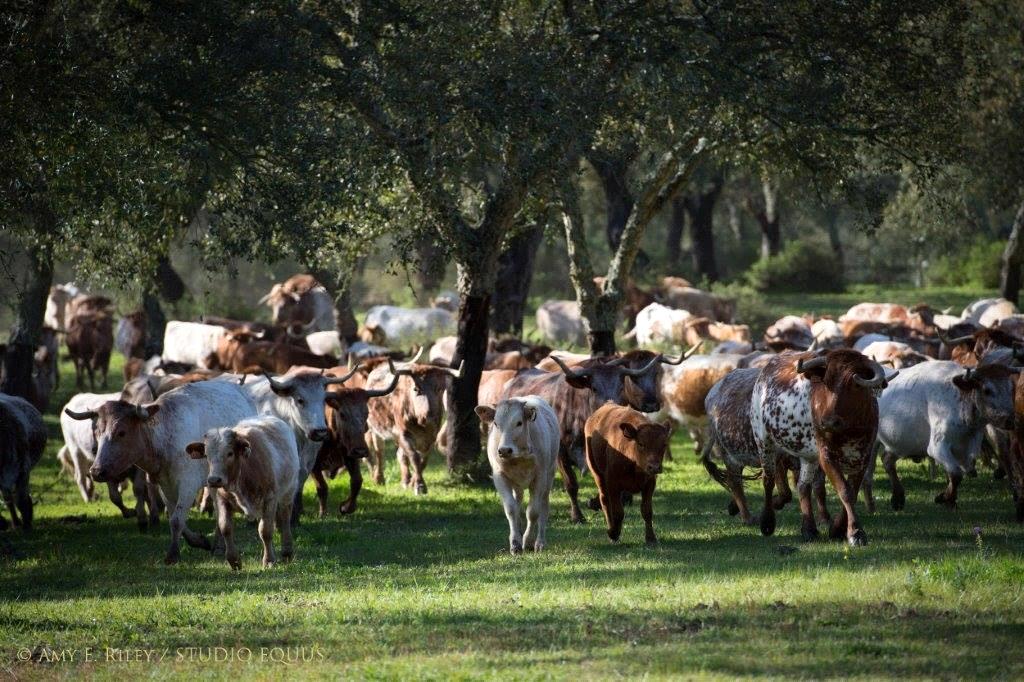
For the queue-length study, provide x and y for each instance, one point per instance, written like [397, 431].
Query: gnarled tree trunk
[28, 325]
[512, 287]
[700, 206]
[431, 269]
[168, 286]
[1013, 257]
[767, 216]
[674, 236]
[339, 286]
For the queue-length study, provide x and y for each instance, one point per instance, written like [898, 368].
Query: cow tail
[709, 465]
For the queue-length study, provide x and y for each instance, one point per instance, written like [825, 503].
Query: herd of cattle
[236, 415]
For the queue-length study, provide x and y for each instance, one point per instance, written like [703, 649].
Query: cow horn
[241, 382]
[967, 374]
[262, 333]
[309, 325]
[954, 342]
[457, 373]
[330, 379]
[88, 414]
[380, 392]
[141, 412]
[416, 358]
[641, 370]
[878, 379]
[570, 373]
[813, 363]
[275, 384]
[682, 357]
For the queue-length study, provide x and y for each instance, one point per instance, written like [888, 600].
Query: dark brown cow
[969, 350]
[624, 452]
[577, 392]
[347, 411]
[822, 408]
[130, 337]
[302, 300]
[269, 356]
[1013, 460]
[411, 416]
[90, 340]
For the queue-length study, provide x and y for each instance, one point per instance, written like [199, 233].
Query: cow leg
[572, 486]
[869, 481]
[266, 529]
[141, 496]
[376, 459]
[513, 513]
[155, 503]
[808, 528]
[734, 481]
[820, 503]
[297, 502]
[403, 467]
[419, 463]
[647, 512]
[82, 479]
[769, 467]
[948, 496]
[537, 519]
[284, 527]
[321, 489]
[24, 501]
[226, 526]
[846, 520]
[899, 497]
[114, 493]
[611, 503]
[785, 495]
[177, 523]
[355, 475]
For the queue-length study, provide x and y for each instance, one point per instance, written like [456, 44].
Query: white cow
[659, 324]
[443, 350]
[133, 435]
[827, 334]
[325, 343]
[896, 353]
[396, 327]
[58, 305]
[191, 342]
[522, 447]
[988, 311]
[560, 322]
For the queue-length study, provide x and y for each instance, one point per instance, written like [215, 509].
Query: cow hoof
[286, 557]
[538, 546]
[733, 508]
[171, 558]
[594, 504]
[235, 562]
[809, 534]
[999, 473]
[421, 489]
[767, 524]
[651, 542]
[576, 517]
[347, 508]
[127, 514]
[858, 539]
[515, 548]
[945, 501]
[268, 564]
[750, 520]
[898, 501]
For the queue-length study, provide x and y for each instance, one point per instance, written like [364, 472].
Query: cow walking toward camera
[22, 439]
[625, 451]
[522, 447]
[254, 467]
[820, 407]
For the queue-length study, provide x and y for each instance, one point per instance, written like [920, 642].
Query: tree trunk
[28, 324]
[169, 283]
[832, 225]
[768, 219]
[512, 287]
[156, 323]
[674, 236]
[700, 206]
[618, 200]
[339, 286]
[431, 268]
[1013, 257]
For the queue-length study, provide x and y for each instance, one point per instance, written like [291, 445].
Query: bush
[803, 266]
[977, 267]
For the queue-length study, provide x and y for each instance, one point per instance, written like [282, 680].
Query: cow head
[122, 436]
[424, 390]
[347, 412]
[844, 385]
[301, 395]
[646, 444]
[990, 390]
[224, 450]
[510, 424]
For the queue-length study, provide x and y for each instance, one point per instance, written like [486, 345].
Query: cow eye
[120, 434]
[300, 402]
[519, 423]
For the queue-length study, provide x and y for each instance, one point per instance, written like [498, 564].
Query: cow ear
[578, 382]
[486, 413]
[964, 384]
[242, 447]
[151, 409]
[628, 430]
[333, 401]
[530, 412]
[196, 450]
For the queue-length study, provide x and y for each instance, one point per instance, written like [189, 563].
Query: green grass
[423, 587]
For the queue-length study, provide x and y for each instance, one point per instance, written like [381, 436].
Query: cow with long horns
[576, 392]
[411, 416]
[347, 414]
[820, 407]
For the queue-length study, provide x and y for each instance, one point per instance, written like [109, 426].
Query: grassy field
[423, 587]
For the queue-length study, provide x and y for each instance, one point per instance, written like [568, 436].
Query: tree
[512, 286]
[766, 213]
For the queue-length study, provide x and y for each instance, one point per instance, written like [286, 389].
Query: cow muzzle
[505, 452]
[650, 407]
[318, 435]
[215, 482]
[98, 474]
[654, 468]
[360, 453]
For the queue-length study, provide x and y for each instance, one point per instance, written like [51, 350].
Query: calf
[22, 440]
[90, 340]
[80, 448]
[624, 452]
[347, 412]
[128, 434]
[411, 416]
[821, 408]
[939, 410]
[254, 467]
[522, 447]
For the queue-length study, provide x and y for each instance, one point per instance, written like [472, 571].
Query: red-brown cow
[269, 356]
[90, 340]
[624, 452]
[347, 412]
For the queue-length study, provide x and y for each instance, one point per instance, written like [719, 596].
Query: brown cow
[300, 299]
[577, 392]
[411, 416]
[90, 340]
[1013, 460]
[347, 411]
[269, 356]
[970, 350]
[130, 338]
[624, 451]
